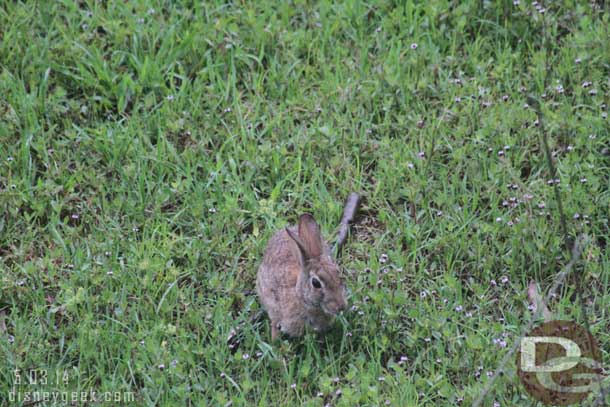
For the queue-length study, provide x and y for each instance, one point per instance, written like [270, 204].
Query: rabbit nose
[342, 306]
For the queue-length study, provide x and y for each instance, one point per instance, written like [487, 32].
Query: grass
[149, 149]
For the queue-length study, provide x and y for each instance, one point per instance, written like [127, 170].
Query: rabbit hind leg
[275, 331]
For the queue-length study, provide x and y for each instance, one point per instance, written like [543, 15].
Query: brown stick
[349, 213]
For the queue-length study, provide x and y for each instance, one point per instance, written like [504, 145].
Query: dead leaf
[2, 323]
[537, 301]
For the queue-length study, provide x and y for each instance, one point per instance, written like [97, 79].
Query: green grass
[149, 149]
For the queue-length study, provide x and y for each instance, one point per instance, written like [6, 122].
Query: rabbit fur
[298, 282]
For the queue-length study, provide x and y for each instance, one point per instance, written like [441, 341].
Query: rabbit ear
[309, 240]
[302, 249]
[309, 232]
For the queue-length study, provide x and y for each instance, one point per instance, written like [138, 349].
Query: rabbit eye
[316, 283]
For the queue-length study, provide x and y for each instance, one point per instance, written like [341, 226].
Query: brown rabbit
[298, 282]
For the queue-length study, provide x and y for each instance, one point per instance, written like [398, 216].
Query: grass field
[149, 149]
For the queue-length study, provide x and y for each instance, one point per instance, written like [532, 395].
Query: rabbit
[298, 282]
